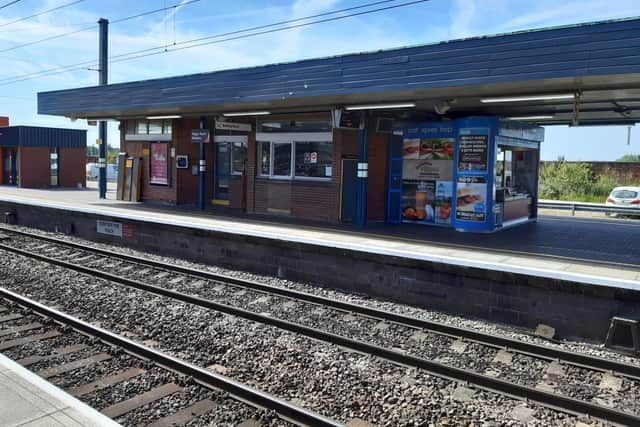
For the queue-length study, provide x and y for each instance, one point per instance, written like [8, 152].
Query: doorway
[348, 206]
[230, 155]
[222, 173]
[9, 166]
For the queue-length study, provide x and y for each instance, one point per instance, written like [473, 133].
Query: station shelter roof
[34, 136]
[594, 66]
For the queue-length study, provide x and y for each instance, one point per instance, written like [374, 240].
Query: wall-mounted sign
[200, 136]
[237, 127]
[473, 149]
[471, 198]
[109, 227]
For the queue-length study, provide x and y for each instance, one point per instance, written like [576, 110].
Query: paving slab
[36, 402]
[554, 248]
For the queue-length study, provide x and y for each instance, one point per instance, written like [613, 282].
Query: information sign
[472, 152]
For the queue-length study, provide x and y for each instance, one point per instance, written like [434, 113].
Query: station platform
[30, 401]
[603, 252]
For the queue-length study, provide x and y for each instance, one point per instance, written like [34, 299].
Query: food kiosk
[473, 174]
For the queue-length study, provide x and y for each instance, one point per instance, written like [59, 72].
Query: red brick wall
[34, 167]
[71, 166]
[142, 149]
[615, 168]
[188, 185]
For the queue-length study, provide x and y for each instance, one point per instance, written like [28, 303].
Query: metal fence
[588, 207]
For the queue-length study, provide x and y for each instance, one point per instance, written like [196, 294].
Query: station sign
[200, 136]
[109, 227]
[236, 127]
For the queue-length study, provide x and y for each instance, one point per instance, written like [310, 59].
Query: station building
[445, 134]
[42, 157]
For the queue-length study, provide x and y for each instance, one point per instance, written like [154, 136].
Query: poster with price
[471, 198]
[472, 152]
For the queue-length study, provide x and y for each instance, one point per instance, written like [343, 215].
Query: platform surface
[601, 252]
[28, 400]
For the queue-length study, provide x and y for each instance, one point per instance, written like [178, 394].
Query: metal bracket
[576, 108]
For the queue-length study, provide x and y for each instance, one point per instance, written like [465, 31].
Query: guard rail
[588, 207]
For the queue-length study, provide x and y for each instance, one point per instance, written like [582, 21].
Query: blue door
[349, 190]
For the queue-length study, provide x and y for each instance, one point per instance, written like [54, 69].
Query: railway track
[56, 345]
[356, 327]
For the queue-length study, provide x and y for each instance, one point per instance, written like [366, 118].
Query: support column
[102, 130]
[363, 174]
[202, 169]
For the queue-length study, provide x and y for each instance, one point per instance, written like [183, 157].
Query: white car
[93, 171]
[625, 197]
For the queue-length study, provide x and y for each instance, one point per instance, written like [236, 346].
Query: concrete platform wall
[573, 309]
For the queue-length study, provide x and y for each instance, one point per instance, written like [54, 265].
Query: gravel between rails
[321, 377]
[591, 348]
[526, 370]
[228, 412]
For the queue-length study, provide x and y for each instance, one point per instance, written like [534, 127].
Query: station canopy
[585, 74]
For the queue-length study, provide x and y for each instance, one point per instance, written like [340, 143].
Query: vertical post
[363, 174]
[103, 41]
[202, 169]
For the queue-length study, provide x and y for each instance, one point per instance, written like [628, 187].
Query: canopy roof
[598, 61]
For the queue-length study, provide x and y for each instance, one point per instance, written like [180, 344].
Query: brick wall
[34, 167]
[71, 166]
[616, 168]
[148, 191]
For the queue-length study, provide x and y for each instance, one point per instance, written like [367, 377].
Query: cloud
[462, 17]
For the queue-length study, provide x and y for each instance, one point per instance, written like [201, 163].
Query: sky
[428, 22]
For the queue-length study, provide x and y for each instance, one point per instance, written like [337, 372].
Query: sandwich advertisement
[471, 198]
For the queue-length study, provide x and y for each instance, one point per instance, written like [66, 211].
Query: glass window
[141, 127]
[155, 127]
[166, 127]
[282, 159]
[238, 157]
[131, 127]
[314, 159]
[264, 158]
[625, 194]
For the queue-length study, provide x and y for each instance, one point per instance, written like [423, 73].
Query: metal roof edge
[352, 54]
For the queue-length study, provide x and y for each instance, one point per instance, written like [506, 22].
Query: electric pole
[103, 61]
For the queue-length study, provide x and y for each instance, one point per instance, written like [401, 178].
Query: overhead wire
[44, 12]
[92, 27]
[76, 66]
[10, 3]
[200, 41]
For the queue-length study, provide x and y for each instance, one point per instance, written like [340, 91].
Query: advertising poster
[471, 198]
[472, 152]
[427, 173]
[159, 164]
[418, 201]
[444, 202]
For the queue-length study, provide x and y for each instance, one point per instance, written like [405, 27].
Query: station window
[238, 157]
[148, 127]
[313, 159]
[290, 156]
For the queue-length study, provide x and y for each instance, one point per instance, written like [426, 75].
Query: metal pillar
[203, 169]
[102, 81]
[363, 174]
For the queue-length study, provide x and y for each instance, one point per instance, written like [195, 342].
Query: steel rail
[554, 401]
[530, 349]
[254, 397]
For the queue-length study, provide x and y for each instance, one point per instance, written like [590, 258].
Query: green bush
[576, 182]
